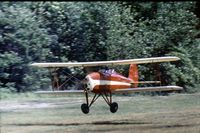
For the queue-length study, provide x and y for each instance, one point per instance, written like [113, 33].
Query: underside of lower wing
[144, 89]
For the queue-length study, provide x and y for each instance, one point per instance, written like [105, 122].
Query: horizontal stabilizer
[148, 82]
[143, 89]
[60, 92]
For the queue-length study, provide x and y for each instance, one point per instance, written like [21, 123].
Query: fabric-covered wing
[60, 92]
[102, 63]
[143, 89]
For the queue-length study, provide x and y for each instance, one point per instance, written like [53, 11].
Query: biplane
[106, 82]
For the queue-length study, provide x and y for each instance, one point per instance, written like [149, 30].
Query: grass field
[176, 113]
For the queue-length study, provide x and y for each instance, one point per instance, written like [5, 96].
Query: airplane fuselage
[99, 82]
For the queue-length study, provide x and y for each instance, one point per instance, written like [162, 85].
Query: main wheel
[85, 109]
[113, 107]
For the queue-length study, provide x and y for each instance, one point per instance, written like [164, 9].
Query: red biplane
[106, 82]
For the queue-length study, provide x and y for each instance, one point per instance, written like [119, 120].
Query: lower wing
[144, 89]
[128, 90]
[60, 92]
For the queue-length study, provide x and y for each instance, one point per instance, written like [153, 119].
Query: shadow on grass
[119, 122]
[126, 122]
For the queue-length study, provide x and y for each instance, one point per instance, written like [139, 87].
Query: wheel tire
[85, 109]
[113, 107]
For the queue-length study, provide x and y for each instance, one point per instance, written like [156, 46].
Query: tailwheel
[113, 107]
[85, 108]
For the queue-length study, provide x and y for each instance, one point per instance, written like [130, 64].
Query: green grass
[177, 113]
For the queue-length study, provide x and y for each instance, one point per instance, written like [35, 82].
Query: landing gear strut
[85, 107]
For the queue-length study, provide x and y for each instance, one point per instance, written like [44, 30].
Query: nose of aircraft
[88, 82]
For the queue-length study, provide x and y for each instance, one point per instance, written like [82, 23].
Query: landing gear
[85, 107]
[113, 107]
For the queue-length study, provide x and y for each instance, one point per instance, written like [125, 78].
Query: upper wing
[102, 63]
[143, 89]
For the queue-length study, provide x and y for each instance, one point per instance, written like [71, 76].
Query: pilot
[107, 71]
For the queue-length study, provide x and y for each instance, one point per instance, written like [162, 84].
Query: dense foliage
[92, 31]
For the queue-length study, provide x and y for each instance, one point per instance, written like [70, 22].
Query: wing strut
[157, 72]
[54, 78]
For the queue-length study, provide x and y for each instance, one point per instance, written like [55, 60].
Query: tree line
[93, 31]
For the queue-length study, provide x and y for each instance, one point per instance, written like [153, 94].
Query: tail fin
[133, 74]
